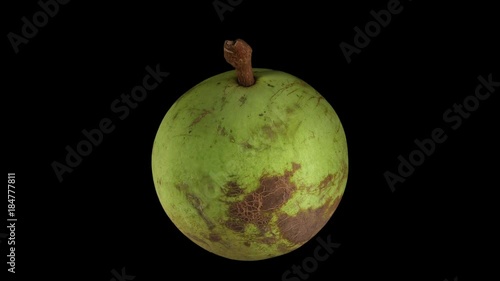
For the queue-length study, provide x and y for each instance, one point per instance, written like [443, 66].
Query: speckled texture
[250, 173]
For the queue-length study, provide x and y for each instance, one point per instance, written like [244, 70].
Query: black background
[105, 215]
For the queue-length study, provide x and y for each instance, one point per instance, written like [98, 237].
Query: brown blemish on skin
[235, 225]
[268, 131]
[223, 101]
[313, 135]
[295, 167]
[198, 205]
[319, 98]
[283, 248]
[227, 86]
[274, 192]
[258, 206]
[182, 187]
[214, 237]
[268, 240]
[334, 206]
[242, 100]
[221, 130]
[232, 189]
[279, 124]
[247, 145]
[303, 226]
[201, 116]
[326, 181]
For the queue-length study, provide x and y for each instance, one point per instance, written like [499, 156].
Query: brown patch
[221, 130]
[223, 102]
[269, 132]
[295, 167]
[235, 225]
[198, 205]
[326, 181]
[182, 187]
[334, 206]
[242, 100]
[283, 248]
[214, 237]
[247, 145]
[268, 240]
[225, 89]
[319, 98]
[273, 192]
[290, 110]
[246, 243]
[201, 116]
[232, 189]
[279, 124]
[258, 206]
[313, 135]
[305, 224]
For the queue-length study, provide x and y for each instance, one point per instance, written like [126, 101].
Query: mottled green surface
[250, 173]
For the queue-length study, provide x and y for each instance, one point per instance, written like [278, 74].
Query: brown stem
[239, 54]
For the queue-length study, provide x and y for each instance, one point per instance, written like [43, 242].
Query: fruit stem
[239, 54]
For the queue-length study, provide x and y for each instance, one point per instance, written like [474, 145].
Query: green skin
[250, 173]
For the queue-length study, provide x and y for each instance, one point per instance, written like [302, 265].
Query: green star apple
[251, 163]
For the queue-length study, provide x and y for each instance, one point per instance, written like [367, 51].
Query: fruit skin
[250, 173]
